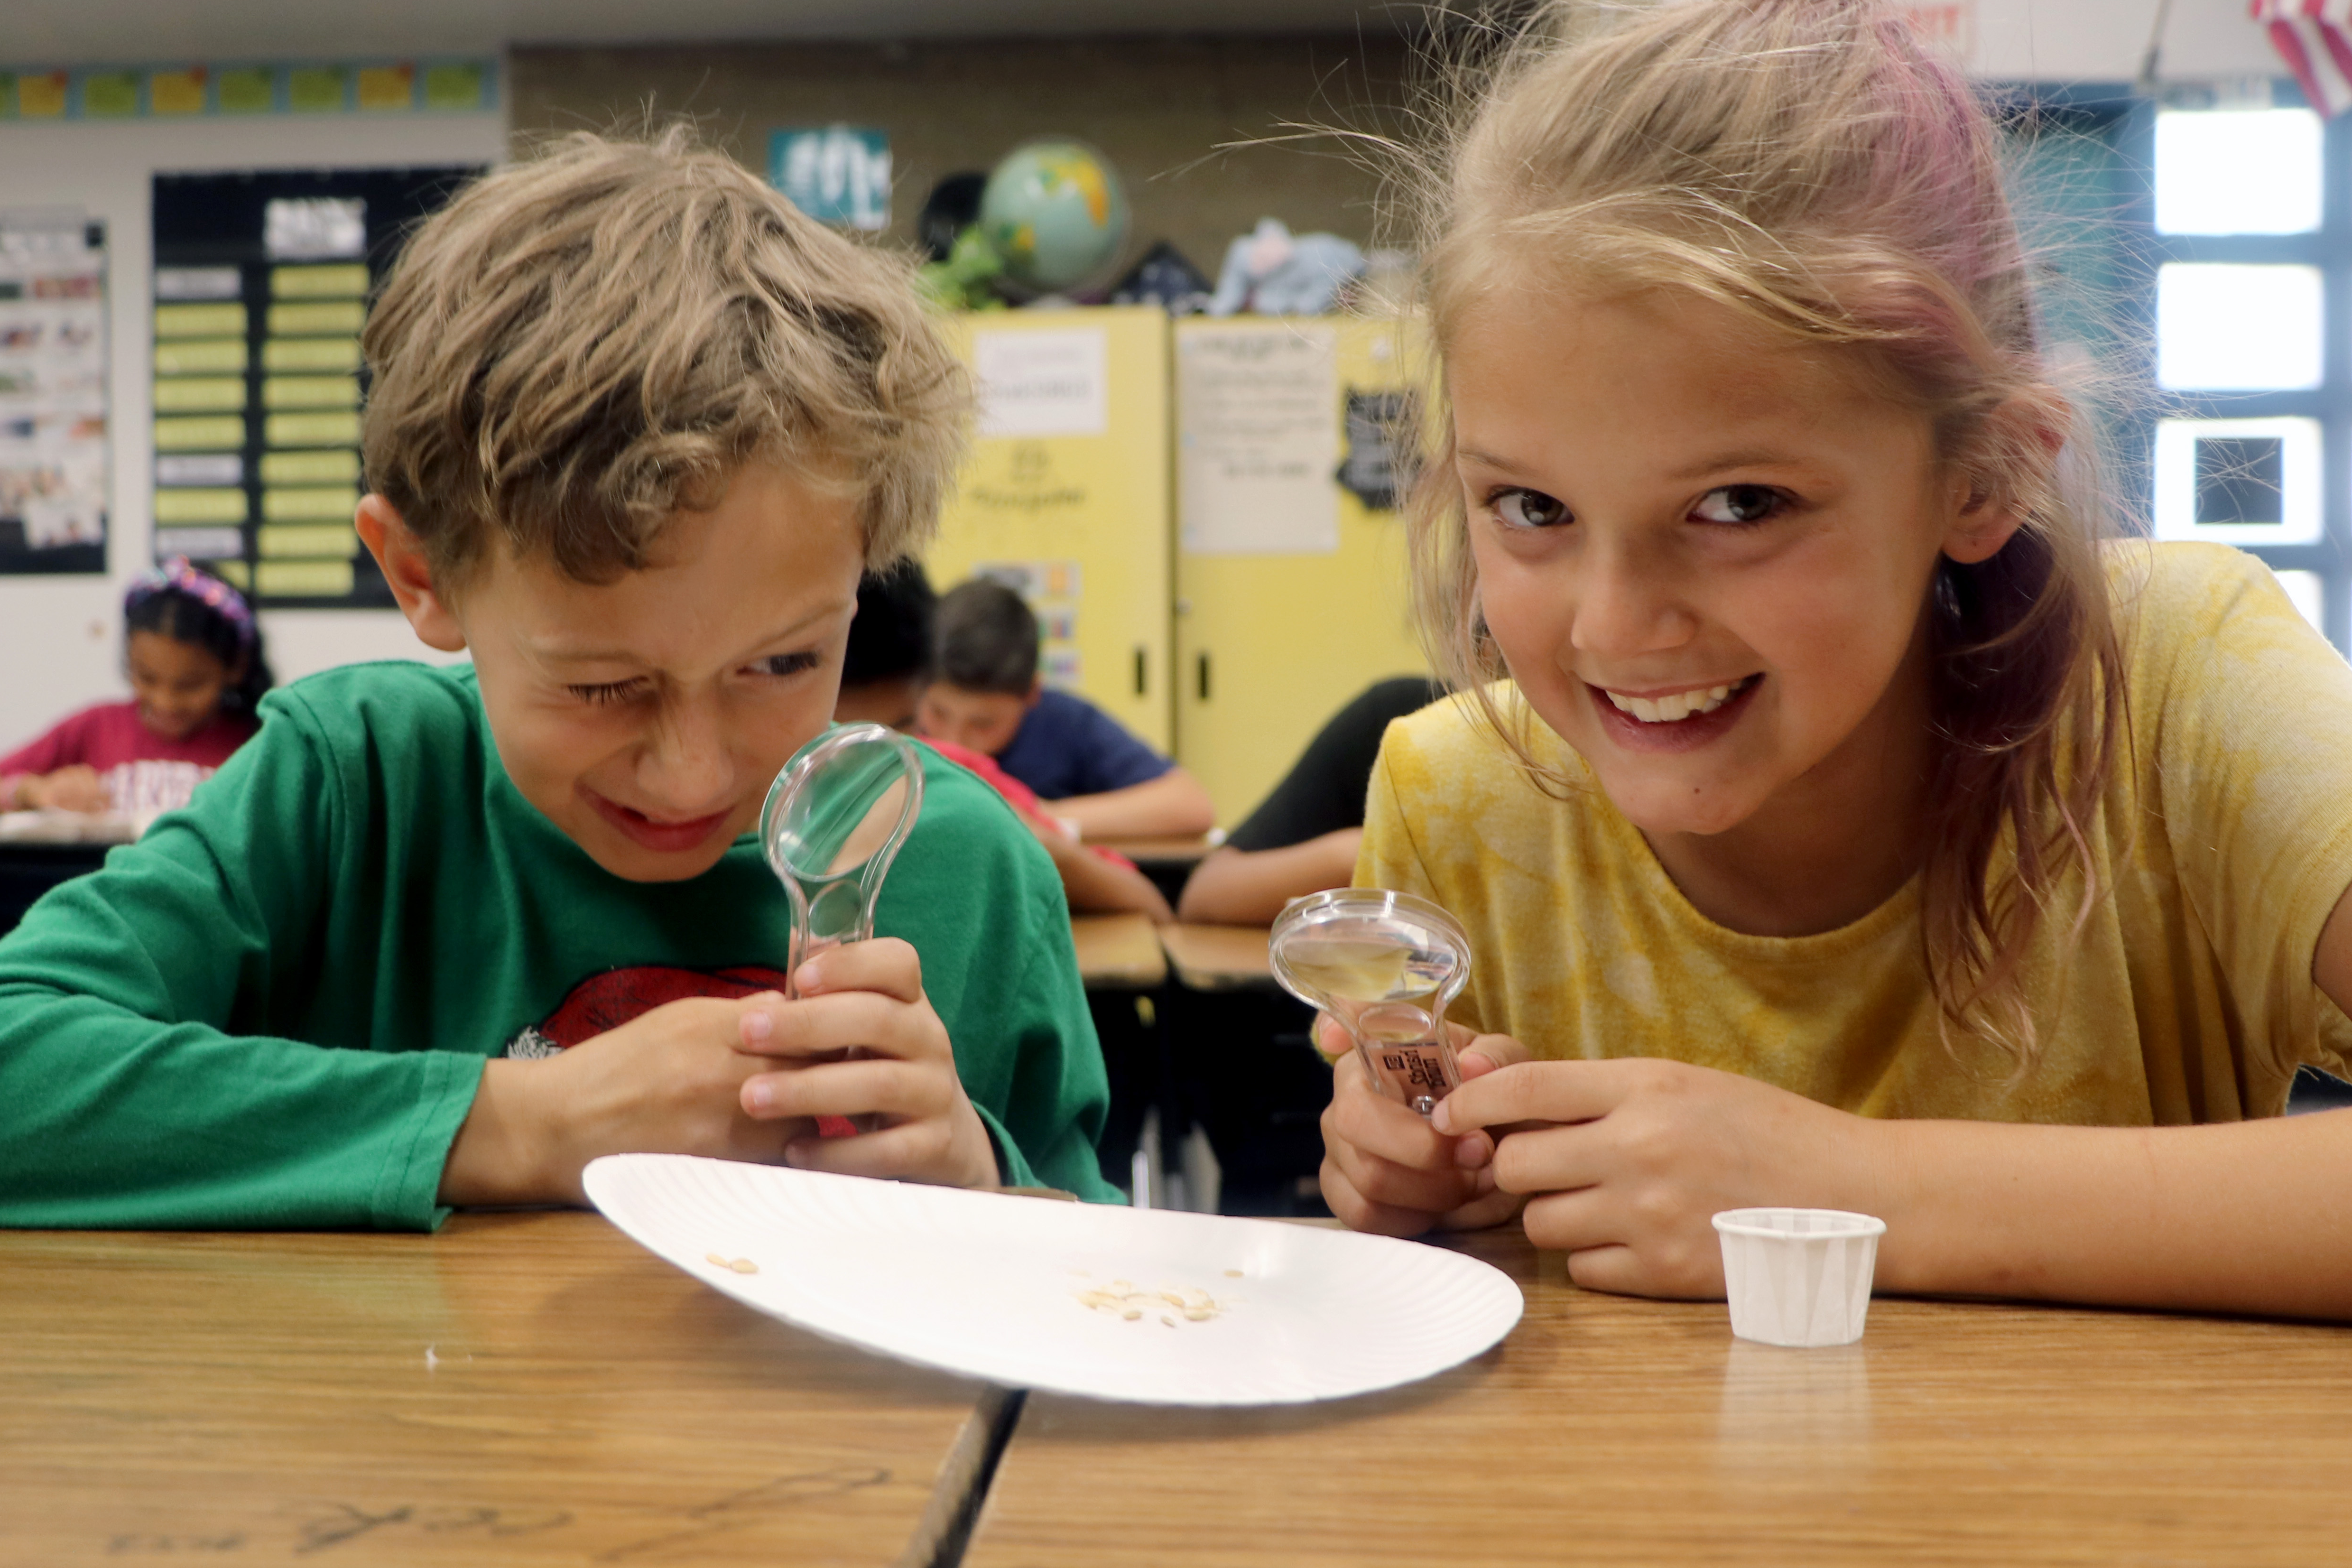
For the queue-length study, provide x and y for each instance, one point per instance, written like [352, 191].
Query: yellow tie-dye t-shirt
[2222, 843]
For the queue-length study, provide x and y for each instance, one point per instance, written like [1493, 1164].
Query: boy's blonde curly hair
[582, 344]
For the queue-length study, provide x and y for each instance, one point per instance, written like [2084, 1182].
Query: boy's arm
[1171, 806]
[1046, 1123]
[136, 1085]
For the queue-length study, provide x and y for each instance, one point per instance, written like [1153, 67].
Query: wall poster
[53, 393]
[262, 283]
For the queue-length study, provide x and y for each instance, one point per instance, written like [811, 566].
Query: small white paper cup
[1798, 1276]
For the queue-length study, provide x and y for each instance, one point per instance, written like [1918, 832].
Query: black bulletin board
[261, 282]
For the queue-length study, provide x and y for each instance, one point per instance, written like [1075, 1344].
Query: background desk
[1117, 953]
[1611, 1431]
[522, 1389]
[1218, 957]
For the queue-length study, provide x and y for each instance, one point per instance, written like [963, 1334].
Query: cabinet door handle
[1138, 672]
[1203, 670]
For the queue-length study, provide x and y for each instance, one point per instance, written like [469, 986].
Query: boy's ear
[1036, 691]
[401, 559]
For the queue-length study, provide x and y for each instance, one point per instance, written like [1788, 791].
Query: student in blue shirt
[985, 694]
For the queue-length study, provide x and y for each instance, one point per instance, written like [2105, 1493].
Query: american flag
[2314, 38]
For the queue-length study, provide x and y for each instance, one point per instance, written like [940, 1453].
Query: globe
[1055, 212]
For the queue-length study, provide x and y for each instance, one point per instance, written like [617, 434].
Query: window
[2253, 257]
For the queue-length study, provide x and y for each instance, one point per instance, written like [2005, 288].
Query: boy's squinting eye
[611, 692]
[785, 663]
[1738, 504]
[1527, 509]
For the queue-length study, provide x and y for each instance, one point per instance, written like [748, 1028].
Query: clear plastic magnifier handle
[1384, 965]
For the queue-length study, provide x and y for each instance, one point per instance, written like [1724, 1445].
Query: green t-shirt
[363, 876]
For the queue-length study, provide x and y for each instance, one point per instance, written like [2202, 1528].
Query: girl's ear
[2002, 481]
[402, 558]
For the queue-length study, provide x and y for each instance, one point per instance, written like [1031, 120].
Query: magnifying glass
[1385, 964]
[833, 820]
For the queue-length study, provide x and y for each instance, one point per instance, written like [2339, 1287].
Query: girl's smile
[1671, 719]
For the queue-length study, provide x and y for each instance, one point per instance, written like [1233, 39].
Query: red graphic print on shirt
[609, 1000]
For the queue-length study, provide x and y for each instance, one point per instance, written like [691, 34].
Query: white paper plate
[998, 1287]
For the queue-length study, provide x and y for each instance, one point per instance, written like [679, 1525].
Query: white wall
[2104, 40]
[60, 636]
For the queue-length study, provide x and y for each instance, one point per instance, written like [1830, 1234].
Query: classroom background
[1201, 506]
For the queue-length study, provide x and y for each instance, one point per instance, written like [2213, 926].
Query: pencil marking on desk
[331, 1524]
[133, 1545]
[754, 1505]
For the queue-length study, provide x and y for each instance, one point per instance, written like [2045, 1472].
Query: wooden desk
[522, 1389]
[1218, 957]
[1187, 850]
[1612, 1431]
[1117, 953]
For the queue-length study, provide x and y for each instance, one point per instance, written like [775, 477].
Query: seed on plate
[1232, 1273]
[744, 1265]
[714, 1258]
[1130, 1314]
[1196, 1315]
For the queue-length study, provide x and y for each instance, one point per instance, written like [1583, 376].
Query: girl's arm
[1628, 1161]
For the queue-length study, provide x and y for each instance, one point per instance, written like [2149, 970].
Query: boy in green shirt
[439, 938]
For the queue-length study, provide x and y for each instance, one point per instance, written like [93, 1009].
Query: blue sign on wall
[836, 174]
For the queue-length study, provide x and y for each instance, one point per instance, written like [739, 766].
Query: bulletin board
[53, 394]
[262, 283]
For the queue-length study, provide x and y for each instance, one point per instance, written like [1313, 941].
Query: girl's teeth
[1679, 705]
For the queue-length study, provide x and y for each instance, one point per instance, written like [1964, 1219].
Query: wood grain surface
[1217, 957]
[521, 1389]
[1608, 1430]
[1117, 953]
[1189, 849]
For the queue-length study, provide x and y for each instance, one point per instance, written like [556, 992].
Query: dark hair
[891, 637]
[987, 639]
[172, 611]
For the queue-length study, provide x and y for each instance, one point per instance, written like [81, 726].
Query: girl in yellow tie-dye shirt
[1835, 820]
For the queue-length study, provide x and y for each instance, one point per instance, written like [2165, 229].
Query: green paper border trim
[242, 88]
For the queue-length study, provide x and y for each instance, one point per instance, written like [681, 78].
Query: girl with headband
[193, 656]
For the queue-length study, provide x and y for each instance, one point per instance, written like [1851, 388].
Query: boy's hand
[867, 997]
[1386, 1169]
[76, 788]
[1626, 1163]
[667, 1081]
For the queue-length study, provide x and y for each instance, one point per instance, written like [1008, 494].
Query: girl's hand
[868, 996]
[74, 788]
[1628, 1161]
[1385, 1169]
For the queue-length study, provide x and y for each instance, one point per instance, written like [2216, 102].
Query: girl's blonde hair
[1809, 164]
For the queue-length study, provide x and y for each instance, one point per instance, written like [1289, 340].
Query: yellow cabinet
[1290, 591]
[1067, 497]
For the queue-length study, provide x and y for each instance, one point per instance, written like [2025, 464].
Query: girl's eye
[1738, 504]
[611, 692]
[785, 663]
[1529, 508]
